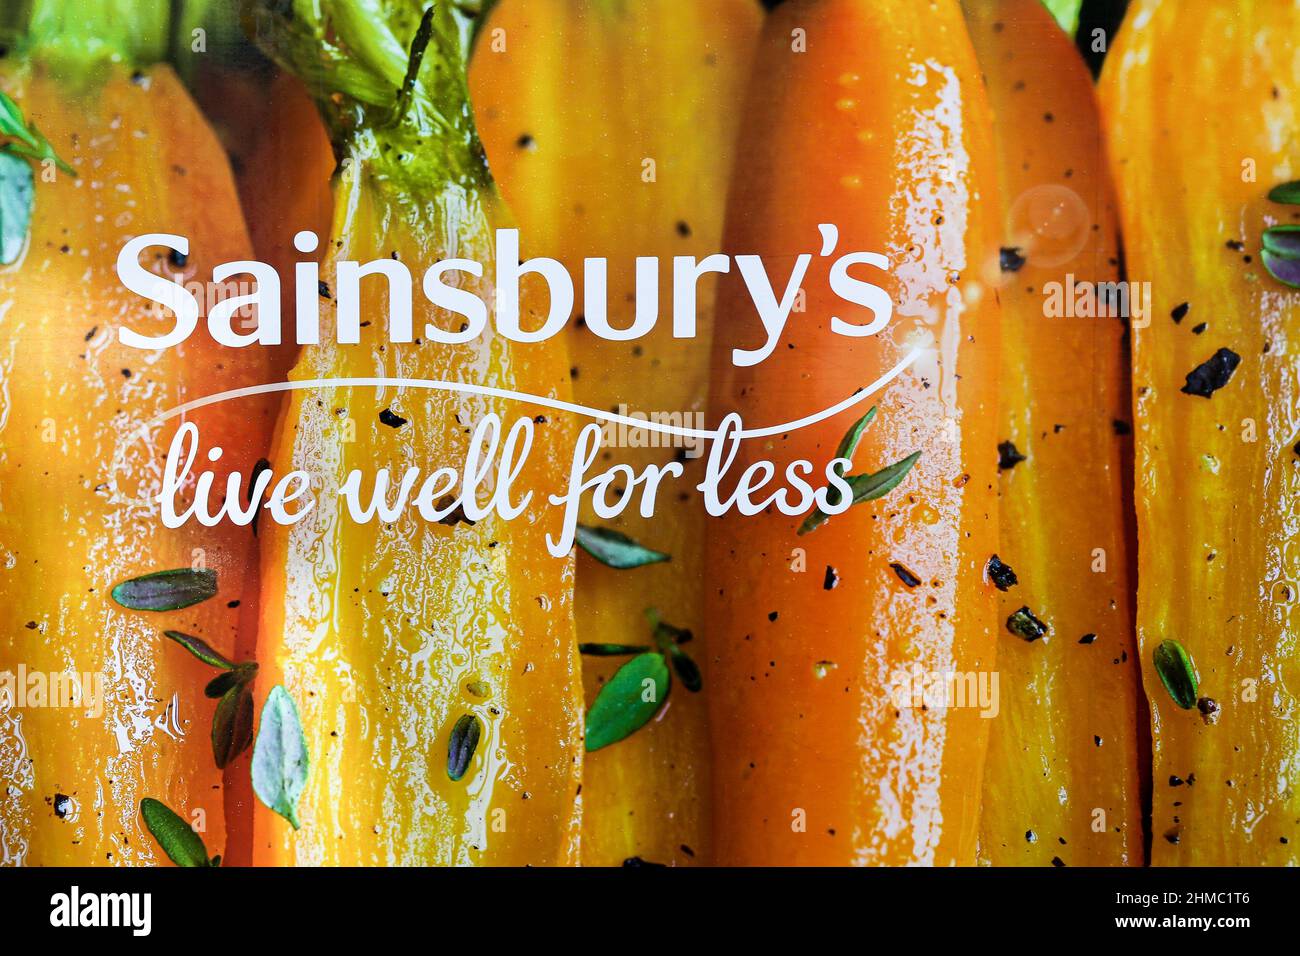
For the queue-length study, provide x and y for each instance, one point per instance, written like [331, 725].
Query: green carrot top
[389, 77]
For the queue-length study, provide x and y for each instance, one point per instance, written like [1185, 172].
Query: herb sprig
[17, 182]
[866, 487]
[177, 838]
[232, 722]
[639, 688]
[1281, 244]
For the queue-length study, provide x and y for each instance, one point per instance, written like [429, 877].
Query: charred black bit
[1008, 456]
[178, 259]
[525, 141]
[1175, 780]
[1087, 638]
[1002, 576]
[1209, 708]
[1024, 625]
[1180, 312]
[1212, 374]
[1236, 245]
[456, 516]
[391, 420]
[832, 578]
[904, 575]
[1096, 740]
[1121, 427]
[323, 288]
[1031, 836]
[683, 229]
[62, 805]
[1010, 259]
[687, 850]
[636, 861]
[1057, 861]
[772, 615]
[1200, 327]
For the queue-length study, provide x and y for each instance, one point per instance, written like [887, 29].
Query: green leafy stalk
[79, 37]
[1066, 13]
[390, 80]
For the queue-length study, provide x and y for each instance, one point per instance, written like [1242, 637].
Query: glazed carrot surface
[571, 156]
[81, 469]
[1216, 465]
[812, 760]
[1063, 780]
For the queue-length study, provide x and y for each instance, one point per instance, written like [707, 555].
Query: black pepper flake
[636, 861]
[683, 229]
[904, 575]
[1209, 708]
[1008, 456]
[1180, 312]
[1010, 259]
[1024, 625]
[1057, 861]
[1087, 638]
[1031, 836]
[62, 805]
[392, 421]
[1212, 374]
[179, 259]
[1175, 780]
[323, 288]
[832, 579]
[1200, 327]
[1002, 576]
[525, 141]
[772, 615]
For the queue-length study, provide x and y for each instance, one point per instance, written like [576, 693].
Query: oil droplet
[851, 182]
[822, 668]
[925, 514]
[848, 79]
[845, 104]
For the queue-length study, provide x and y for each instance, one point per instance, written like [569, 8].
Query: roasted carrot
[284, 185]
[869, 116]
[80, 451]
[1062, 782]
[571, 156]
[389, 635]
[1198, 112]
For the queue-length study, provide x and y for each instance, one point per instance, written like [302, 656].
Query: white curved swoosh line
[661, 427]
